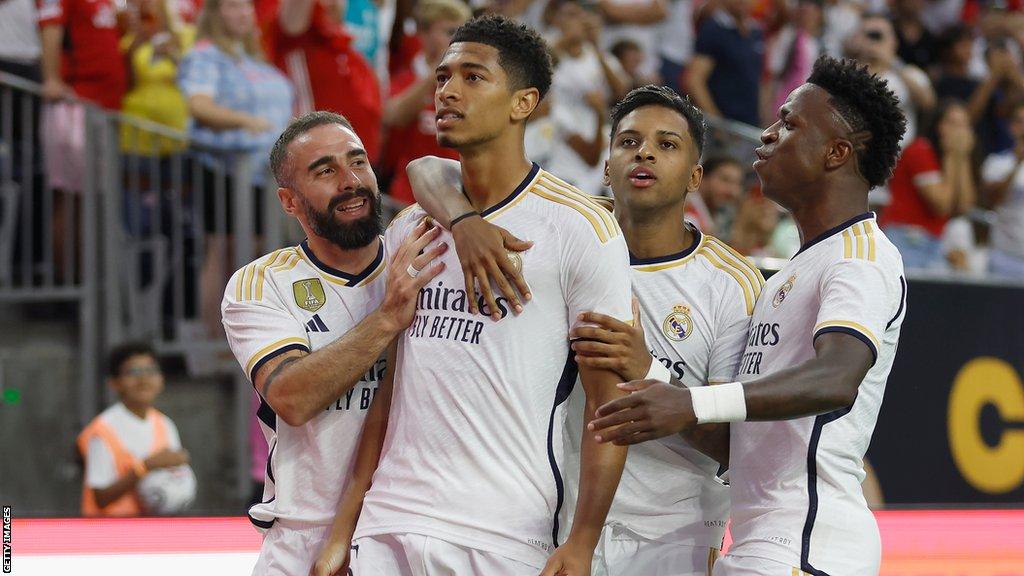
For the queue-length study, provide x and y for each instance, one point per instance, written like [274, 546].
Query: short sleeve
[51, 12]
[923, 164]
[996, 168]
[731, 331]
[198, 74]
[860, 299]
[100, 471]
[706, 43]
[595, 274]
[401, 226]
[568, 120]
[258, 324]
[173, 439]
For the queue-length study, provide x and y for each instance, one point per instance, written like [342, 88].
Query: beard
[354, 234]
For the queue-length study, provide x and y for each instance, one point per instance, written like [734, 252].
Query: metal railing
[151, 229]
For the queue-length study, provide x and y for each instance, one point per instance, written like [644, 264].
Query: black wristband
[460, 218]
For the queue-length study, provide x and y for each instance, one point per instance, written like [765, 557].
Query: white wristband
[720, 403]
[658, 371]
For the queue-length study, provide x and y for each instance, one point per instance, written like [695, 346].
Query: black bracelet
[460, 218]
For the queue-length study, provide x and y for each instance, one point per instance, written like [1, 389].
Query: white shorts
[416, 555]
[621, 552]
[289, 549]
[732, 565]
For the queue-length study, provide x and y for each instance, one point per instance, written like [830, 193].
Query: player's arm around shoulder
[484, 249]
[860, 300]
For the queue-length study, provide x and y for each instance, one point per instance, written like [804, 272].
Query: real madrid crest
[784, 290]
[678, 325]
[309, 294]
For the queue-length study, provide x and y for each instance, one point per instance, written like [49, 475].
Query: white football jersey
[695, 309]
[796, 495]
[290, 300]
[473, 452]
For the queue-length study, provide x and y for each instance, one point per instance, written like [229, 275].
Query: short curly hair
[522, 53]
[865, 101]
[651, 95]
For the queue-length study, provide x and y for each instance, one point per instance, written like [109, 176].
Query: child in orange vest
[129, 439]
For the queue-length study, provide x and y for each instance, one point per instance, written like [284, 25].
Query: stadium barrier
[155, 225]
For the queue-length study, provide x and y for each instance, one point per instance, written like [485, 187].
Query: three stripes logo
[316, 324]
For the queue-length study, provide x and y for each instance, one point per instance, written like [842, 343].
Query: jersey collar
[833, 231]
[515, 193]
[339, 277]
[698, 237]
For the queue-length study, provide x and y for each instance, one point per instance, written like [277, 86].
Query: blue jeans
[920, 250]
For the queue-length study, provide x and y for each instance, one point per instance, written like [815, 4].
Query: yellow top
[154, 96]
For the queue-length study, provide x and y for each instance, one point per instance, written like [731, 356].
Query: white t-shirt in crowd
[135, 434]
[1008, 231]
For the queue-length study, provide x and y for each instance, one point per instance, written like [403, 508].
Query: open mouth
[352, 205]
[642, 177]
[448, 116]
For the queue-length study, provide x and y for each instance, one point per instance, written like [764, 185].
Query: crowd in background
[232, 72]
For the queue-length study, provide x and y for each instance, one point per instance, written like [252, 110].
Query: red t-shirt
[418, 138]
[917, 166]
[92, 63]
[328, 73]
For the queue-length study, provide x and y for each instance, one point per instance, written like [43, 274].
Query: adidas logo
[316, 325]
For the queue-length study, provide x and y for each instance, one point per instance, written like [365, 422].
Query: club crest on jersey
[780, 296]
[678, 325]
[309, 294]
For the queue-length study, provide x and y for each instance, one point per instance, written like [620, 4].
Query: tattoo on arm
[277, 372]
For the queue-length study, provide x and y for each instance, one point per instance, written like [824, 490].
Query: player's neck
[489, 175]
[815, 219]
[661, 233]
[352, 261]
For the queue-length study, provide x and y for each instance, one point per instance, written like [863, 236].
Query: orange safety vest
[128, 504]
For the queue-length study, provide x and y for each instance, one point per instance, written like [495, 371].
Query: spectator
[409, 113]
[713, 208]
[638, 20]
[81, 58]
[675, 42]
[1003, 174]
[129, 440]
[755, 222]
[19, 55]
[311, 44]
[239, 104]
[725, 73]
[19, 41]
[916, 44]
[585, 80]
[792, 52]
[933, 180]
[840, 22]
[964, 243]
[363, 21]
[984, 96]
[875, 45]
[154, 44]
[630, 57]
[80, 50]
